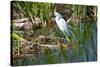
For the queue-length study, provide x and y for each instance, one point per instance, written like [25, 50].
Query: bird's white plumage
[62, 24]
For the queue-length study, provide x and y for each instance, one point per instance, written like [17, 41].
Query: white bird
[62, 24]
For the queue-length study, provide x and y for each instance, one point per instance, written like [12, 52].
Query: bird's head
[57, 15]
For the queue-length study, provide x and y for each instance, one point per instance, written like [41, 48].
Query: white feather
[62, 24]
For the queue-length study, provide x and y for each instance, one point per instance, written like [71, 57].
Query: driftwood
[19, 25]
[37, 47]
[37, 22]
[20, 20]
[44, 39]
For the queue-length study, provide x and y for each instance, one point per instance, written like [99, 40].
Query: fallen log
[48, 45]
[20, 20]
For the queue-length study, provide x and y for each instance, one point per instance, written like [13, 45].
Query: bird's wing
[63, 22]
[64, 26]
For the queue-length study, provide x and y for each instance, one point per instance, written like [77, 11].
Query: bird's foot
[69, 45]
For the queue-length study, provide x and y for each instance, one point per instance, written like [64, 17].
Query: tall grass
[29, 9]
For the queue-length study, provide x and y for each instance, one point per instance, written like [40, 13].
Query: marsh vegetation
[36, 39]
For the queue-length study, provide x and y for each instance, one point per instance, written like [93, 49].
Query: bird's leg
[69, 41]
[67, 38]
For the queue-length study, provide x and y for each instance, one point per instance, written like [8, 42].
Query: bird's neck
[57, 18]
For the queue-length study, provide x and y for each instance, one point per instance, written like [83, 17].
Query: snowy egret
[63, 25]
